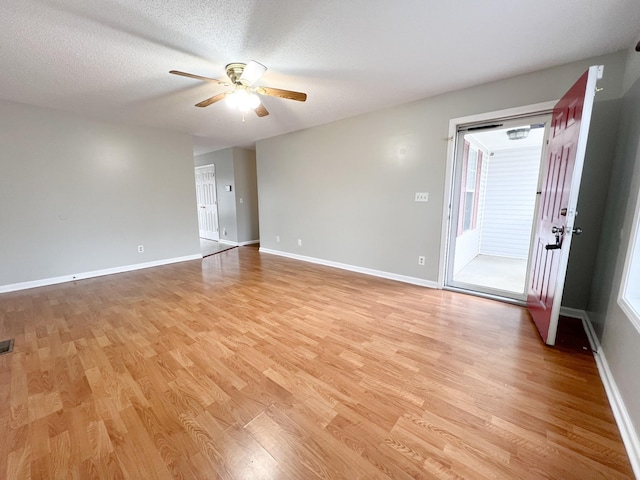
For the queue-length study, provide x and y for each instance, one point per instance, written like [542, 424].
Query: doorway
[207, 199]
[493, 204]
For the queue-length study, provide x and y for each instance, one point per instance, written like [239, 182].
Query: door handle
[554, 246]
[557, 231]
[576, 231]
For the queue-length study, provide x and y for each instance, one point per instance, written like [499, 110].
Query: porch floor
[502, 273]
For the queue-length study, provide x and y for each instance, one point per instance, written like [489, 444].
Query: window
[470, 190]
[629, 299]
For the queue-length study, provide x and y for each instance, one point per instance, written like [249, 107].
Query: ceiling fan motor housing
[234, 72]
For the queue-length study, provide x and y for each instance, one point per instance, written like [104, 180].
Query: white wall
[467, 248]
[510, 200]
[79, 195]
[347, 188]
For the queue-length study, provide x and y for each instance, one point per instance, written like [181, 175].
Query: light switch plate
[422, 196]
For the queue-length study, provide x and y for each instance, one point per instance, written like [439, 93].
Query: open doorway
[207, 202]
[494, 199]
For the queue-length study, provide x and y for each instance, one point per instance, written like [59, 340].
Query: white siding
[509, 202]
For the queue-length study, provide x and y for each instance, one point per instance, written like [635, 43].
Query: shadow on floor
[571, 336]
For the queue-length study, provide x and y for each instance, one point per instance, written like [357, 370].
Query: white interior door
[207, 199]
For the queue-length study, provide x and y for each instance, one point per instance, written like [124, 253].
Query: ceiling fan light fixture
[518, 133]
[244, 96]
[243, 100]
[252, 72]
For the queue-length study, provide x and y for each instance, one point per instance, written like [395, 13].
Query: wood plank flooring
[250, 366]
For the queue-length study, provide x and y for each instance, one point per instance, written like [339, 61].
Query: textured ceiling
[110, 59]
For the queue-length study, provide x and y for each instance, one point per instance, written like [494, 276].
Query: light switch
[422, 196]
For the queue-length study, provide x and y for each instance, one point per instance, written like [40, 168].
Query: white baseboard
[620, 412]
[354, 268]
[238, 244]
[250, 242]
[96, 273]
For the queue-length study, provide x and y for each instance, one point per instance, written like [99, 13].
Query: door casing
[503, 123]
[448, 201]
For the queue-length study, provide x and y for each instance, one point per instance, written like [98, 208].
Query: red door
[562, 170]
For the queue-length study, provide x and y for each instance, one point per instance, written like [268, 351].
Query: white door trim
[454, 123]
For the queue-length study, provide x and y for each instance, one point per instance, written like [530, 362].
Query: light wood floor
[249, 366]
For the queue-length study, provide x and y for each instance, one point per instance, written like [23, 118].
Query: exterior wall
[467, 248]
[79, 195]
[510, 200]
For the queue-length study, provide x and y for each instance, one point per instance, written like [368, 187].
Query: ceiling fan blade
[276, 92]
[252, 73]
[214, 99]
[198, 77]
[261, 111]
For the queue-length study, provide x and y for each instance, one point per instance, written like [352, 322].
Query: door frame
[448, 200]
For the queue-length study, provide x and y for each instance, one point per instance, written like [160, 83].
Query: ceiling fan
[244, 95]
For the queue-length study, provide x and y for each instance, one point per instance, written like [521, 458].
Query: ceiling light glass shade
[243, 100]
[252, 72]
[518, 133]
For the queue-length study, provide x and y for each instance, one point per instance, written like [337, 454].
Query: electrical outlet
[299, 242]
[278, 238]
[422, 196]
[421, 260]
[140, 248]
[224, 232]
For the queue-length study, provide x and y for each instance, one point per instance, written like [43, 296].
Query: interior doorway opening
[493, 205]
[207, 202]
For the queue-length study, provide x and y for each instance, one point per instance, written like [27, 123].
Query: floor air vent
[6, 346]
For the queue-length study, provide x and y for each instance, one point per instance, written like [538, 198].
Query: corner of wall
[632, 67]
